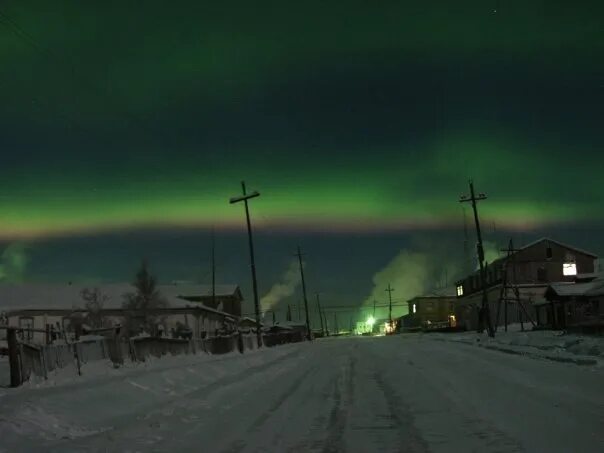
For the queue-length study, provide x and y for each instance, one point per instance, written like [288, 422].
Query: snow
[412, 392]
[593, 287]
[544, 344]
[4, 371]
[68, 296]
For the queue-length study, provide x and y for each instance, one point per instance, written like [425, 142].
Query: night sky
[124, 130]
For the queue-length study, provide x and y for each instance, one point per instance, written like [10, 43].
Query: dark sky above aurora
[125, 129]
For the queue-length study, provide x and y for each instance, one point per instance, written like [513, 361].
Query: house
[531, 269]
[247, 323]
[60, 309]
[226, 298]
[577, 304]
[434, 309]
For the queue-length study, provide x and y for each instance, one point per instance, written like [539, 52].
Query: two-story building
[431, 310]
[531, 269]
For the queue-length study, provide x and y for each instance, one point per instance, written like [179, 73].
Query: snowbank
[545, 344]
[68, 406]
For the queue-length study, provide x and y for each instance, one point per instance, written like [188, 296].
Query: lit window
[414, 308]
[569, 269]
[452, 321]
[460, 290]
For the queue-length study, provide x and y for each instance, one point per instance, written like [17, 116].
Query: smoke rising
[409, 273]
[13, 263]
[284, 288]
[491, 253]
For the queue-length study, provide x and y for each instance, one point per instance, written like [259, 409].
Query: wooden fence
[29, 360]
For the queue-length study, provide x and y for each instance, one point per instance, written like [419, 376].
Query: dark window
[549, 253]
[542, 274]
[26, 323]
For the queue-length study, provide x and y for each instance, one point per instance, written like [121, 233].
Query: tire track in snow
[139, 427]
[487, 435]
[343, 395]
[240, 444]
[410, 438]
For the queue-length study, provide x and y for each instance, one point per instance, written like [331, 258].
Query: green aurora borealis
[345, 118]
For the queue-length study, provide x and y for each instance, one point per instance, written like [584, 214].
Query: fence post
[43, 361]
[77, 357]
[13, 357]
[240, 344]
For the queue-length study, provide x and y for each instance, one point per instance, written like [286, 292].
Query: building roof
[445, 293]
[193, 309]
[561, 244]
[248, 320]
[68, 296]
[595, 287]
[449, 291]
[543, 239]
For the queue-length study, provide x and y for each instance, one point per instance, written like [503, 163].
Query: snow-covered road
[400, 393]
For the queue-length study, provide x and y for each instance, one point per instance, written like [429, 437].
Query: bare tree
[95, 300]
[146, 298]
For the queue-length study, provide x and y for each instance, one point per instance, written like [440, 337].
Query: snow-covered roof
[68, 296]
[594, 287]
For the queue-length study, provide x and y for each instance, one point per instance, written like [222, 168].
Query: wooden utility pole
[213, 270]
[484, 313]
[299, 255]
[466, 251]
[245, 197]
[13, 357]
[389, 289]
[320, 314]
[506, 286]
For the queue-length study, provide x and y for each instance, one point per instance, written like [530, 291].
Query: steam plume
[13, 263]
[283, 289]
[409, 273]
